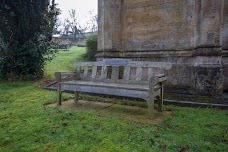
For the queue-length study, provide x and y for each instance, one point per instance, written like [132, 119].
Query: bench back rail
[121, 77]
[120, 69]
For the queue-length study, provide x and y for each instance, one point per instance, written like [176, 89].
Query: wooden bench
[118, 77]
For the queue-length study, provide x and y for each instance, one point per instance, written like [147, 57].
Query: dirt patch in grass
[132, 113]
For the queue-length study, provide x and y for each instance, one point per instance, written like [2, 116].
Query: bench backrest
[120, 70]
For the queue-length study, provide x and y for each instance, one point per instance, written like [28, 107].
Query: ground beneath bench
[132, 113]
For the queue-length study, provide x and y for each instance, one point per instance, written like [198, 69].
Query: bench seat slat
[131, 86]
[130, 90]
[106, 90]
[142, 87]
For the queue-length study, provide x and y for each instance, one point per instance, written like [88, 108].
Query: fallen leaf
[81, 119]
[65, 124]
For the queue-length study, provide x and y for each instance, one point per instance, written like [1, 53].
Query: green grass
[64, 61]
[27, 125]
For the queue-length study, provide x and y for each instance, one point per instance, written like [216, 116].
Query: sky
[82, 7]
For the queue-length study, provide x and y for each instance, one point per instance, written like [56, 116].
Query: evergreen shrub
[25, 37]
[91, 47]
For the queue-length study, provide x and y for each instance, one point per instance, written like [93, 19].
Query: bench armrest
[66, 75]
[161, 78]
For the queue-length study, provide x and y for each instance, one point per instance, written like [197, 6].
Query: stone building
[191, 34]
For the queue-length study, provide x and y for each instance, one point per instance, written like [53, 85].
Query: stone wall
[149, 25]
[191, 34]
[63, 40]
[224, 32]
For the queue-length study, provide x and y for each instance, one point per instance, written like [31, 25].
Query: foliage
[71, 25]
[91, 47]
[57, 25]
[25, 37]
[93, 22]
[27, 125]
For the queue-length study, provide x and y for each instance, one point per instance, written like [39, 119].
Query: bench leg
[150, 104]
[76, 95]
[160, 104]
[59, 97]
[160, 100]
[59, 92]
[150, 101]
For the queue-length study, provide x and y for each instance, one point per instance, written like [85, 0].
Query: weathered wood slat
[161, 70]
[115, 73]
[163, 65]
[162, 79]
[160, 98]
[121, 81]
[142, 87]
[150, 73]
[82, 64]
[94, 72]
[76, 94]
[116, 62]
[150, 100]
[126, 62]
[86, 71]
[138, 74]
[78, 69]
[107, 90]
[64, 74]
[126, 73]
[104, 72]
[58, 78]
[160, 75]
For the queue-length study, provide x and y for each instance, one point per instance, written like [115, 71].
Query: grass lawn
[26, 125]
